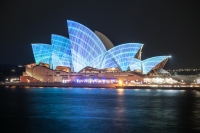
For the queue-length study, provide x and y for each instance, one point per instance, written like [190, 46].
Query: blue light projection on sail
[85, 45]
[121, 55]
[61, 51]
[42, 53]
[86, 48]
[150, 63]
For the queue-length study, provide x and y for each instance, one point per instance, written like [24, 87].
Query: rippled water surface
[98, 110]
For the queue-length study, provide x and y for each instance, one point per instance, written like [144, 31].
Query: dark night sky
[165, 27]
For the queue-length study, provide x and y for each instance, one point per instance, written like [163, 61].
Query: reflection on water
[120, 91]
[98, 110]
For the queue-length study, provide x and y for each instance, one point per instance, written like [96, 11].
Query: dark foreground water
[95, 110]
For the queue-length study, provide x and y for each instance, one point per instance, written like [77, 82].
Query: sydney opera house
[88, 56]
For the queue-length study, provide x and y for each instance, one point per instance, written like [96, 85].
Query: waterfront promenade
[117, 86]
[59, 85]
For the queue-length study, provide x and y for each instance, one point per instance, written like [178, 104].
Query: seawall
[59, 85]
[115, 86]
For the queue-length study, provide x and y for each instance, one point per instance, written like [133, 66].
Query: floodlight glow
[120, 82]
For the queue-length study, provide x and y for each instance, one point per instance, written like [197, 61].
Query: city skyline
[164, 27]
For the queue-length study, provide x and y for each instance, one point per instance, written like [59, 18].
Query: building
[88, 56]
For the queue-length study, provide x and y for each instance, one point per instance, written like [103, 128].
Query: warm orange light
[120, 91]
[120, 82]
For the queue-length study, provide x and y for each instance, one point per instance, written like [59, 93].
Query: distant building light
[198, 80]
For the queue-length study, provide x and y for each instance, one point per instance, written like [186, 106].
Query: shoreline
[160, 88]
[115, 86]
[59, 85]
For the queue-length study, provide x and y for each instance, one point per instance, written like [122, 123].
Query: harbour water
[98, 110]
